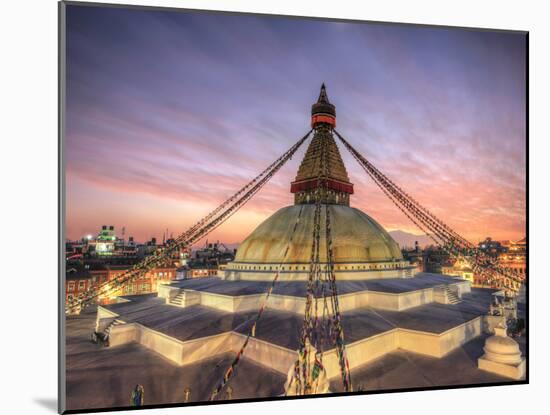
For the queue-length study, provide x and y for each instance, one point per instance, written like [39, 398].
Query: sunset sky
[170, 113]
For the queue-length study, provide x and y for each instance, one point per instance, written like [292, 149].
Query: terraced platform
[397, 294]
[379, 317]
[199, 321]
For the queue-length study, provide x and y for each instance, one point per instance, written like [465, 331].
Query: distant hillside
[406, 240]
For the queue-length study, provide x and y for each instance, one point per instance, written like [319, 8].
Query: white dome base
[236, 271]
[282, 244]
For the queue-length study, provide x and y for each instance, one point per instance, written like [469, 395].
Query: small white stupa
[502, 355]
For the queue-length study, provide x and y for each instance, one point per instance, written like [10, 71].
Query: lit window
[70, 286]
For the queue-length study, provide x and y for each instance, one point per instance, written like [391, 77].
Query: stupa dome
[356, 237]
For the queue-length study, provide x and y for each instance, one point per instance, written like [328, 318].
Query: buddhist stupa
[362, 248]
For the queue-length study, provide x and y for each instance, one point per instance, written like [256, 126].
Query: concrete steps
[177, 300]
[452, 296]
[115, 322]
[102, 337]
[185, 298]
[446, 294]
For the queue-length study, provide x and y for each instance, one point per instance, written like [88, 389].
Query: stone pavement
[99, 377]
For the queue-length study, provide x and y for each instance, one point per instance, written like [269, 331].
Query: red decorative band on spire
[323, 118]
[311, 184]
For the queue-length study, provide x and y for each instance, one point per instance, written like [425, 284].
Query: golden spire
[336, 180]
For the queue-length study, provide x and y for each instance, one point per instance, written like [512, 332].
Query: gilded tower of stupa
[323, 120]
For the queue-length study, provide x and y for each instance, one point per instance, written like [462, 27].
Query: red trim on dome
[323, 118]
[310, 184]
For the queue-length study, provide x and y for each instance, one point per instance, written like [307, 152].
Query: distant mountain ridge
[407, 240]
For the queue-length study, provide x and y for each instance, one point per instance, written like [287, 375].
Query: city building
[196, 271]
[78, 280]
[206, 261]
[212, 254]
[435, 258]
[519, 246]
[512, 256]
[146, 284]
[515, 258]
[417, 257]
[104, 243]
[461, 269]
[491, 247]
[82, 275]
